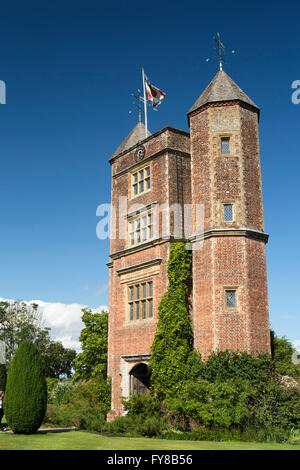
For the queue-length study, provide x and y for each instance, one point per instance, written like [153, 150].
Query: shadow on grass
[44, 430]
[55, 430]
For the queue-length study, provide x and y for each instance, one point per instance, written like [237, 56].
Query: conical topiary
[2, 377]
[25, 399]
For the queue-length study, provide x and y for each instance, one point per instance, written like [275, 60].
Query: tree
[172, 349]
[58, 360]
[21, 322]
[92, 361]
[25, 399]
[282, 353]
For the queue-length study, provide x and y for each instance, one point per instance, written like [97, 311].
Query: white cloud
[296, 344]
[68, 342]
[64, 320]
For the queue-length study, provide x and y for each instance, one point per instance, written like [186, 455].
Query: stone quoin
[216, 165]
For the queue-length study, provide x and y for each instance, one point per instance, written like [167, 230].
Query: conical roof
[136, 135]
[221, 88]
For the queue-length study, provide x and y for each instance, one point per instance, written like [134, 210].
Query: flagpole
[145, 104]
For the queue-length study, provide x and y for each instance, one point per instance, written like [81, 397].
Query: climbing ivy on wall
[172, 348]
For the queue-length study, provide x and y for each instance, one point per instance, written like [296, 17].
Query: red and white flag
[153, 93]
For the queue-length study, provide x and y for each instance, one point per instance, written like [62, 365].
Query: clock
[140, 153]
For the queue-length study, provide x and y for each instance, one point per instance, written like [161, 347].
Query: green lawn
[81, 440]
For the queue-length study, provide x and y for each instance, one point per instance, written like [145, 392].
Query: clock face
[140, 153]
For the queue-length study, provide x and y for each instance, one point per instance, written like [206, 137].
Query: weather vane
[220, 51]
[138, 103]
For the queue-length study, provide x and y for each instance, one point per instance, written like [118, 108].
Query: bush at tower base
[25, 398]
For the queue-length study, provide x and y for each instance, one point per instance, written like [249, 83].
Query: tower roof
[136, 135]
[221, 88]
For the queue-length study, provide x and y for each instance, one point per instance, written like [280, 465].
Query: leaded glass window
[140, 301]
[230, 298]
[225, 145]
[141, 181]
[140, 229]
[228, 212]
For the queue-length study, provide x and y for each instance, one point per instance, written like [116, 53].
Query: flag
[153, 93]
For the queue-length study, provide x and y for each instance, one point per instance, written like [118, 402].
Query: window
[225, 145]
[230, 298]
[141, 228]
[228, 212]
[140, 301]
[141, 181]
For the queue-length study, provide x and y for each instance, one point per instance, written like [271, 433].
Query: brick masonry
[190, 169]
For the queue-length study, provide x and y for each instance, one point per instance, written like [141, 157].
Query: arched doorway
[139, 379]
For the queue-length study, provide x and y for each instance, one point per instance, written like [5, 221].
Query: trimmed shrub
[25, 399]
[3, 377]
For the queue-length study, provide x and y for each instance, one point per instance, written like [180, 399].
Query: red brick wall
[202, 316]
[234, 261]
[258, 297]
[170, 183]
[251, 170]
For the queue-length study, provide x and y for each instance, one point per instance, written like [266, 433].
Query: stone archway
[139, 379]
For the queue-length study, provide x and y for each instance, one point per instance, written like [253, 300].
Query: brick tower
[230, 304]
[217, 166]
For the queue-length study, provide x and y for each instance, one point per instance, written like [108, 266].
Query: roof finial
[220, 51]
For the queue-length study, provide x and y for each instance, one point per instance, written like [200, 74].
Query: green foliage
[144, 405]
[208, 404]
[92, 361]
[58, 391]
[85, 394]
[25, 399]
[235, 390]
[224, 365]
[230, 391]
[90, 418]
[51, 383]
[235, 434]
[151, 426]
[230, 396]
[282, 352]
[58, 360]
[173, 342]
[68, 401]
[3, 377]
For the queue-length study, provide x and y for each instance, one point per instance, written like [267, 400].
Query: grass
[83, 440]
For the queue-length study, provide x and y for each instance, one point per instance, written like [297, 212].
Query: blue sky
[69, 68]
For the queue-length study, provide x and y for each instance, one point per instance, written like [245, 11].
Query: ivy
[172, 349]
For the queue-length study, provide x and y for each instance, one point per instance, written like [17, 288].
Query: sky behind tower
[69, 68]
